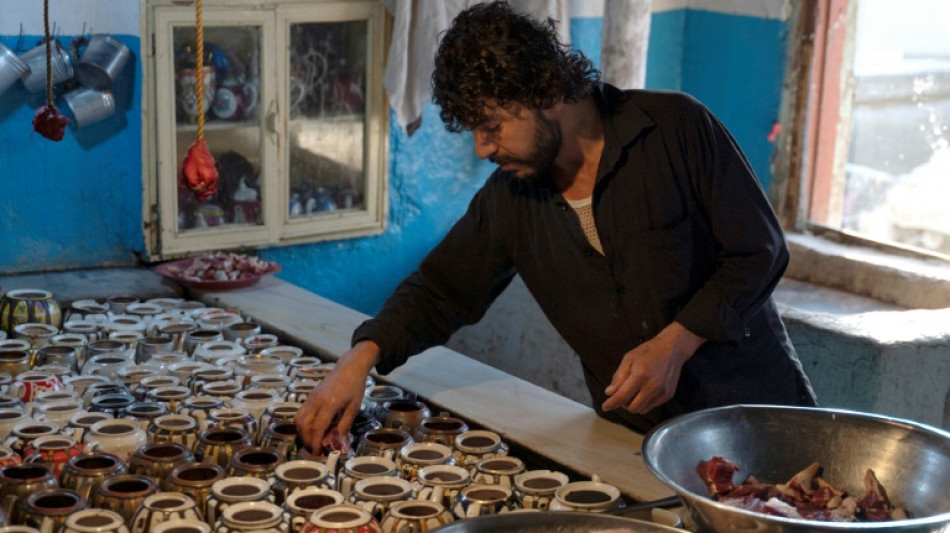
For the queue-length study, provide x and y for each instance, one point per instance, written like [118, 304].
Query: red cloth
[50, 123]
[198, 172]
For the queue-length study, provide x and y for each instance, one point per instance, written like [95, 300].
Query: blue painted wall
[77, 203]
[735, 65]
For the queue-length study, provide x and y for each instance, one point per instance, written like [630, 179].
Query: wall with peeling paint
[77, 203]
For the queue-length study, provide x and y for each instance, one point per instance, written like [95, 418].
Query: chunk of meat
[717, 474]
[806, 495]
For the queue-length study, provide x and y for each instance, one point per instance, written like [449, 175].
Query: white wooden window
[296, 120]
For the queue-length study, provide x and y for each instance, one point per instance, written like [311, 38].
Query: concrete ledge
[910, 282]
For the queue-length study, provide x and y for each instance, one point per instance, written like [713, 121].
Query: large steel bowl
[772, 443]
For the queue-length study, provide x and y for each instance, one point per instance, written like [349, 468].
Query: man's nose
[484, 145]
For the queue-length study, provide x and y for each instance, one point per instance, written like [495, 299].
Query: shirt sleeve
[751, 251]
[453, 287]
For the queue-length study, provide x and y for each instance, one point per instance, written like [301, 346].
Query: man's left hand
[648, 374]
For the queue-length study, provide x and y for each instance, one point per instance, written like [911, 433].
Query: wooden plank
[554, 427]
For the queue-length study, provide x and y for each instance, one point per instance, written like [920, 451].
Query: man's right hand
[335, 402]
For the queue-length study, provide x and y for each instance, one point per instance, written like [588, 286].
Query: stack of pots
[95, 69]
[166, 414]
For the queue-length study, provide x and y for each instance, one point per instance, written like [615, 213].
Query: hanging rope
[199, 174]
[48, 121]
[200, 63]
[49, 54]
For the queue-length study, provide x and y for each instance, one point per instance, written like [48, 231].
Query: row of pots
[204, 406]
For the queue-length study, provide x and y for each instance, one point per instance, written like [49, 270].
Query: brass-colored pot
[84, 473]
[159, 459]
[218, 445]
[124, 494]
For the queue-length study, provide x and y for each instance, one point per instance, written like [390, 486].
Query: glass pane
[232, 123]
[327, 84]
[898, 167]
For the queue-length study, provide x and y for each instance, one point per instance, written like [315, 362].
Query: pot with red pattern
[28, 385]
[53, 450]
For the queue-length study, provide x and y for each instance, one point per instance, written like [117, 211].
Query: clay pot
[124, 494]
[234, 490]
[293, 476]
[473, 446]
[84, 473]
[168, 429]
[29, 305]
[281, 436]
[498, 471]
[121, 437]
[218, 445]
[163, 507]
[158, 460]
[48, 510]
[417, 455]
[255, 461]
[480, 500]
[52, 450]
[384, 442]
[19, 481]
[303, 503]
[257, 517]
[341, 518]
[442, 429]
[14, 362]
[415, 516]
[95, 521]
[195, 480]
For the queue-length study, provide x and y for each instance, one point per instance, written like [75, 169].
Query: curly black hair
[493, 54]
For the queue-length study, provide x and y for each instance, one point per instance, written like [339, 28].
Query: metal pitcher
[12, 68]
[62, 66]
[101, 62]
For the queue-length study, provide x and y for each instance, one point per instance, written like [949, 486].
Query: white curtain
[417, 25]
[626, 34]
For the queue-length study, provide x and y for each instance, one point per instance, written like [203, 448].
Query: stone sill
[897, 279]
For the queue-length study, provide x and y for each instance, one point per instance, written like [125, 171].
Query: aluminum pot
[773, 443]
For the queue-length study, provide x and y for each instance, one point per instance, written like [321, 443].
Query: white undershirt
[585, 213]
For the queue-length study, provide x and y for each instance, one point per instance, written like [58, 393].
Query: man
[632, 217]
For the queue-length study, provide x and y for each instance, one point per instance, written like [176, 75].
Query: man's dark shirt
[688, 235]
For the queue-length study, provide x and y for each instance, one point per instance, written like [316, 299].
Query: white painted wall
[69, 16]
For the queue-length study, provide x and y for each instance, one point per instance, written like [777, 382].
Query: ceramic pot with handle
[124, 494]
[303, 503]
[119, 436]
[256, 517]
[341, 518]
[413, 516]
[52, 450]
[95, 521]
[195, 480]
[17, 482]
[158, 460]
[84, 473]
[48, 510]
[233, 490]
[163, 507]
[293, 476]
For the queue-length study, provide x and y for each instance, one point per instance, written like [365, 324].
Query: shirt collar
[623, 122]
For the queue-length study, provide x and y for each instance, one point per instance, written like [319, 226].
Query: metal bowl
[773, 443]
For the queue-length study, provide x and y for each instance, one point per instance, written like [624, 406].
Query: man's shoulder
[660, 102]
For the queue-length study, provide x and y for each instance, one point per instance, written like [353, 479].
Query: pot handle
[670, 501]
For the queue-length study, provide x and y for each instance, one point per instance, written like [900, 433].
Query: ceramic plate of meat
[218, 271]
